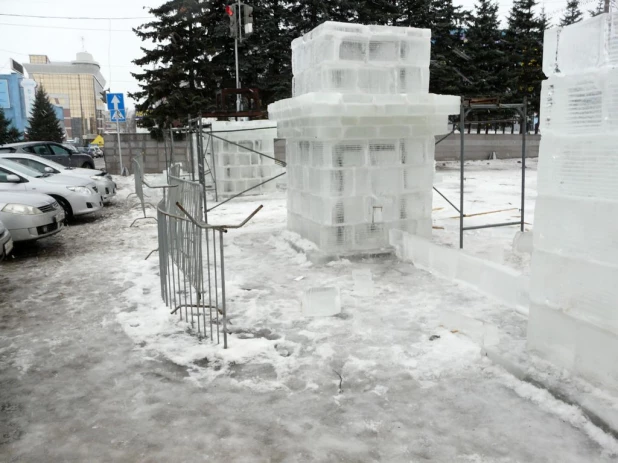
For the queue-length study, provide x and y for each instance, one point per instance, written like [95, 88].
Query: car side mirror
[49, 170]
[11, 178]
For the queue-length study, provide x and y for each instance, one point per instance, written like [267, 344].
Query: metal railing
[192, 260]
[138, 176]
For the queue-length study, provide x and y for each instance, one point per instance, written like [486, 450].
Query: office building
[16, 95]
[77, 87]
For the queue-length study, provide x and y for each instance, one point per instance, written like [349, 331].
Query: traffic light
[232, 12]
[247, 14]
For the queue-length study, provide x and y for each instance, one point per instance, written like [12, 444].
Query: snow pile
[573, 316]
[360, 135]
[238, 168]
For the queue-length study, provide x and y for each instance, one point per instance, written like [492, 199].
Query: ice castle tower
[360, 133]
[574, 271]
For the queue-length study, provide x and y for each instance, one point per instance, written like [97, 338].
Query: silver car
[6, 242]
[76, 196]
[30, 216]
[103, 181]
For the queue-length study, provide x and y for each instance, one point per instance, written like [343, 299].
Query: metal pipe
[446, 136]
[462, 124]
[122, 170]
[523, 161]
[223, 308]
[281, 163]
[214, 258]
[248, 189]
[493, 225]
[214, 165]
[238, 130]
[445, 198]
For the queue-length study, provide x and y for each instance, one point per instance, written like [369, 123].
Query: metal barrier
[138, 175]
[192, 261]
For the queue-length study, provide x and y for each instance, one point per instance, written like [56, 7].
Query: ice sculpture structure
[360, 134]
[574, 270]
[237, 162]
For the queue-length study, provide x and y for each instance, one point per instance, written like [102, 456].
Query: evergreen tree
[524, 48]
[414, 13]
[447, 56]
[193, 57]
[599, 9]
[381, 12]
[174, 85]
[8, 133]
[572, 14]
[484, 46]
[44, 125]
[309, 14]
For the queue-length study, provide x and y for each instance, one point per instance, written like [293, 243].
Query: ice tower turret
[574, 273]
[360, 133]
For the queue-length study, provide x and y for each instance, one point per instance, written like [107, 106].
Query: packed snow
[94, 368]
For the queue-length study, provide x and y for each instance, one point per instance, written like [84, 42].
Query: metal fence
[138, 177]
[192, 259]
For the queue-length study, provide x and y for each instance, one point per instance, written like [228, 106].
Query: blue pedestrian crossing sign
[115, 105]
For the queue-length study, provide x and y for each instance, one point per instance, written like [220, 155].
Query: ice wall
[238, 168]
[360, 134]
[574, 274]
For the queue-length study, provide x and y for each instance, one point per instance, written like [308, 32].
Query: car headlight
[82, 190]
[22, 209]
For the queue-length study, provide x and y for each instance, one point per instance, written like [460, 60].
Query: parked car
[30, 216]
[103, 181]
[6, 242]
[77, 196]
[50, 150]
[95, 151]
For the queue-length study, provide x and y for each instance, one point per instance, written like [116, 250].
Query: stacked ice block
[238, 166]
[574, 275]
[360, 133]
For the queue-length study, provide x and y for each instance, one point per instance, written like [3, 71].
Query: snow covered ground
[492, 194]
[93, 367]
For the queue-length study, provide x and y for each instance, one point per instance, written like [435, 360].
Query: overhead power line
[66, 27]
[82, 18]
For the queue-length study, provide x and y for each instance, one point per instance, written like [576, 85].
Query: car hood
[78, 171]
[29, 198]
[67, 180]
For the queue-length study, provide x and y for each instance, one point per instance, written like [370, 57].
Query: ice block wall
[360, 134]
[238, 168]
[574, 270]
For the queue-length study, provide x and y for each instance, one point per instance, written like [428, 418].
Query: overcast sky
[61, 39]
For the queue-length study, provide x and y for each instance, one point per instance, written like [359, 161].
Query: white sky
[61, 39]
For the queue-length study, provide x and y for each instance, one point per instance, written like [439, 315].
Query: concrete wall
[478, 147]
[135, 143]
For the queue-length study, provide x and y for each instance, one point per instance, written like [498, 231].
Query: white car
[103, 181]
[30, 216]
[6, 242]
[77, 196]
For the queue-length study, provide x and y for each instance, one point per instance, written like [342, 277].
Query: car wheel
[64, 204]
[87, 166]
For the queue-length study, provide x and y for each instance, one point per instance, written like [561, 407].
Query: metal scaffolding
[466, 107]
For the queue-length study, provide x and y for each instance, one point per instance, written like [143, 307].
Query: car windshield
[72, 148]
[47, 163]
[37, 164]
[19, 168]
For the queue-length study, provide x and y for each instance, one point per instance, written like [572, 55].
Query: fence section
[192, 260]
